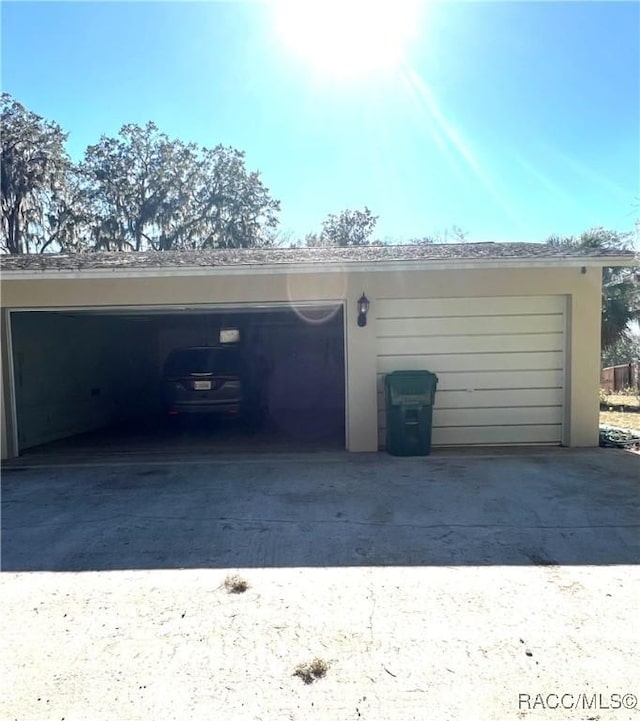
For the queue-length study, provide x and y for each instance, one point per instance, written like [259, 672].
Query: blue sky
[512, 120]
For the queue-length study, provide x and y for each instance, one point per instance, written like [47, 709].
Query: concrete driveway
[477, 585]
[546, 507]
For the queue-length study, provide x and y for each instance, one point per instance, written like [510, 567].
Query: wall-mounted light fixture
[363, 309]
[229, 335]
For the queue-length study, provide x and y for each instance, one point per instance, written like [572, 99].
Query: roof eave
[407, 265]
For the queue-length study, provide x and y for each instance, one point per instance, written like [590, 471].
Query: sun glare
[347, 38]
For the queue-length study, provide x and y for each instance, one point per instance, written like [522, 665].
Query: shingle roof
[298, 256]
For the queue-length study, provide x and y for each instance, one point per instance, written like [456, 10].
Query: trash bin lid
[411, 384]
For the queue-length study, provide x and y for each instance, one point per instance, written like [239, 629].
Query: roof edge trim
[334, 267]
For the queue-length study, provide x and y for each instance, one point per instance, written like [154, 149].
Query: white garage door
[500, 364]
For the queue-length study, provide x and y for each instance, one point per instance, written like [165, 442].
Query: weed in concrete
[312, 671]
[236, 584]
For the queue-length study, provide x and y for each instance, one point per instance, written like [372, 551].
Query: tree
[137, 191]
[455, 234]
[315, 240]
[620, 286]
[128, 178]
[149, 192]
[66, 223]
[278, 238]
[625, 350]
[348, 228]
[34, 173]
[231, 207]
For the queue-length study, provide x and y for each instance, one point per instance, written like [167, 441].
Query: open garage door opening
[197, 380]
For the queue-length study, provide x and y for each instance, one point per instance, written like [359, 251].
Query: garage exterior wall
[581, 289]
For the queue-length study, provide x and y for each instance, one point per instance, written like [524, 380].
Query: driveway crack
[371, 615]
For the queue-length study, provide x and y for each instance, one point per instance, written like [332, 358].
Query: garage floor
[197, 436]
[454, 586]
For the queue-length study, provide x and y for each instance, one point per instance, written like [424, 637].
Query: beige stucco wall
[583, 291]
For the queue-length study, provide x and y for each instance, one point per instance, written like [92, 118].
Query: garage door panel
[541, 415]
[499, 324]
[492, 398]
[498, 380]
[422, 345]
[537, 415]
[464, 307]
[514, 380]
[464, 362]
[491, 435]
[500, 398]
[500, 364]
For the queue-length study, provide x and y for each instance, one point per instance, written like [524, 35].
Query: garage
[98, 376]
[500, 365]
[511, 329]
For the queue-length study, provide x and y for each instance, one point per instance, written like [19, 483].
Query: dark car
[206, 379]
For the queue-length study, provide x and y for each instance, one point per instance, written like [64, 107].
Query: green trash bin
[409, 397]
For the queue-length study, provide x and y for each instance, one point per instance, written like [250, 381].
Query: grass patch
[312, 671]
[619, 403]
[620, 419]
[621, 410]
[236, 584]
[622, 399]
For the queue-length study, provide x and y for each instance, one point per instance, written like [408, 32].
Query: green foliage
[620, 286]
[137, 191]
[348, 228]
[625, 350]
[35, 170]
[150, 192]
[128, 180]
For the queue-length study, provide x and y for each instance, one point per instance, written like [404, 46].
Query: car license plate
[201, 385]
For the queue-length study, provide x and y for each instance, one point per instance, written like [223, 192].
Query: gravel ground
[399, 643]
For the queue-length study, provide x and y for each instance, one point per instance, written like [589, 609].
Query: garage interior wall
[305, 361]
[73, 375]
[6, 384]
